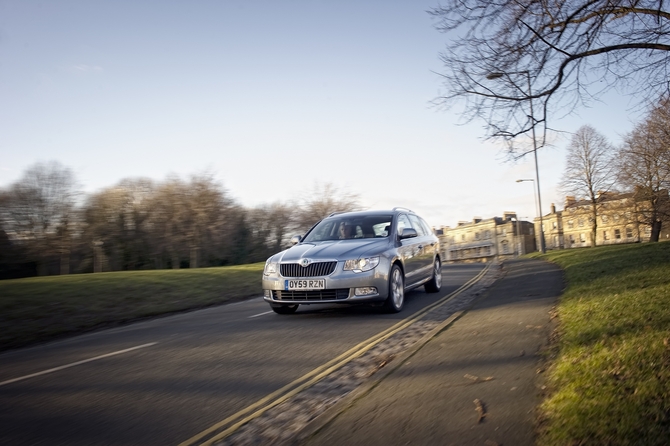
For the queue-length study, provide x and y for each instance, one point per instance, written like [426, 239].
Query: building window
[487, 234]
[505, 248]
[616, 217]
[462, 237]
[617, 234]
[476, 235]
[582, 238]
[605, 235]
[554, 225]
[629, 232]
[570, 224]
[488, 250]
[572, 239]
[580, 222]
[604, 218]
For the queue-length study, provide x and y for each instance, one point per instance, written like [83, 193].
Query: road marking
[67, 366]
[253, 300]
[260, 314]
[226, 427]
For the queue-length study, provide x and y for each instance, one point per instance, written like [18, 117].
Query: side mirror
[295, 240]
[408, 233]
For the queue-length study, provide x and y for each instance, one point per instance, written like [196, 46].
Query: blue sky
[270, 97]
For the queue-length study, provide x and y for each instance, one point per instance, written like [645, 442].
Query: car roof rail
[400, 208]
[336, 213]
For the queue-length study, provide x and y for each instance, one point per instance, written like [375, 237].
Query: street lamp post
[496, 75]
[541, 233]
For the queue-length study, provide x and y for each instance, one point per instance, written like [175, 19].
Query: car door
[433, 242]
[409, 251]
[425, 249]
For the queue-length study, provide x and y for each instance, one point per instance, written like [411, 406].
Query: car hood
[333, 250]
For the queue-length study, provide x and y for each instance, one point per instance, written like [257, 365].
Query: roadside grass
[610, 381]
[39, 309]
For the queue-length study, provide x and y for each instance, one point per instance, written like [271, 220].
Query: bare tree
[323, 201]
[39, 214]
[13, 260]
[192, 221]
[589, 170]
[644, 165]
[505, 55]
[117, 225]
[270, 227]
[206, 216]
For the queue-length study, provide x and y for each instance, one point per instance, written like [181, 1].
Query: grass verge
[610, 381]
[43, 308]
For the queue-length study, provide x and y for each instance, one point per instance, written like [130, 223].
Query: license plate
[304, 284]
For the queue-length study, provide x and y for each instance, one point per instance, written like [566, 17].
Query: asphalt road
[165, 380]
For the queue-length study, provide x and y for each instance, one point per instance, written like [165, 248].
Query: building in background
[619, 221]
[553, 229]
[483, 240]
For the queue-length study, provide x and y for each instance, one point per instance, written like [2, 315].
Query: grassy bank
[610, 383]
[42, 308]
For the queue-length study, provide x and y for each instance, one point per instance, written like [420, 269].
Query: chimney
[570, 200]
[553, 208]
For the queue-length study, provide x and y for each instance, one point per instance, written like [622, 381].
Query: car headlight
[360, 265]
[270, 268]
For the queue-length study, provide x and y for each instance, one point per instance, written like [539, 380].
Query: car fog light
[267, 293]
[365, 291]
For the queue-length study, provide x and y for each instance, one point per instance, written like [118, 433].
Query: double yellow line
[237, 420]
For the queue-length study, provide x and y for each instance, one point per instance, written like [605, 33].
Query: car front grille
[336, 294]
[312, 270]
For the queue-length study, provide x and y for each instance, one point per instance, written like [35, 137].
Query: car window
[426, 226]
[382, 229]
[403, 222]
[350, 227]
[416, 224]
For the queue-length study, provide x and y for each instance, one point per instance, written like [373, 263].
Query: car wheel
[396, 298]
[435, 283]
[284, 309]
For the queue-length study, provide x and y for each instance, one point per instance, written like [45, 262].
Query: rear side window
[426, 226]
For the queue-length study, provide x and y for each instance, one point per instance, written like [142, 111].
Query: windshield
[352, 227]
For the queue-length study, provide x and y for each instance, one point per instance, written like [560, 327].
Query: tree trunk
[65, 262]
[655, 230]
[594, 225]
[194, 256]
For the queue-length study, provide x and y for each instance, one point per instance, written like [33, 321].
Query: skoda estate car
[355, 257]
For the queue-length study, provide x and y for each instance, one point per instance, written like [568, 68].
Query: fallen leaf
[480, 408]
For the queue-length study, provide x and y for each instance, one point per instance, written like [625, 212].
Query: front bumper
[340, 287]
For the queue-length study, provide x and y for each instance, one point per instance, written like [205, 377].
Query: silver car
[355, 257]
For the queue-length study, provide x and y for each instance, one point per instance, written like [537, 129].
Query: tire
[396, 298]
[284, 309]
[435, 283]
